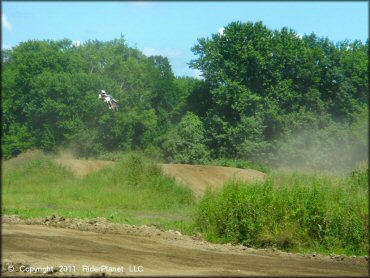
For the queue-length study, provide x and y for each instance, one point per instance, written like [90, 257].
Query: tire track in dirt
[54, 241]
[58, 241]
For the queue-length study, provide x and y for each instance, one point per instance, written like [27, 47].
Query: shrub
[186, 143]
[313, 213]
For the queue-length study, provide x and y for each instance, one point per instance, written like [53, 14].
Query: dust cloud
[338, 150]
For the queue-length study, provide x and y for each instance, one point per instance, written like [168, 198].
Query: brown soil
[197, 177]
[99, 248]
[54, 242]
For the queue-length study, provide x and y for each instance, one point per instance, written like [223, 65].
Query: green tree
[263, 83]
[186, 142]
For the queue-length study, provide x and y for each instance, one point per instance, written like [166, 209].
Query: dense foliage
[267, 96]
[50, 96]
[267, 86]
[292, 212]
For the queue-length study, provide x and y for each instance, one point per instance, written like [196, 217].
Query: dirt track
[197, 177]
[89, 247]
[57, 241]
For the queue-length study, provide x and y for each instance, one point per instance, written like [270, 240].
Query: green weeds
[291, 211]
[320, 214]
[133, 191]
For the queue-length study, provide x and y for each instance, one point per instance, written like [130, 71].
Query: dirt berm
[196, 177]
[55, 246]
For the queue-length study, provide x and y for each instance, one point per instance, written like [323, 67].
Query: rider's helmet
[103, 92]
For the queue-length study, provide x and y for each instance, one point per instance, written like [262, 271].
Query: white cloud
[178, 58]
[221, 31]
[198, 74]
[6, 24]
[299, 36]
[6, 46]
[76, 43]
[150, 51]
[170, 53]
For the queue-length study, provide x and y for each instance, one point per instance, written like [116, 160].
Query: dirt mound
[198, 177]
[84, 167]
[59, 246]
[24, 158]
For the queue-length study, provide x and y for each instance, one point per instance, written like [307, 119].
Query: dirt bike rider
[107, 98]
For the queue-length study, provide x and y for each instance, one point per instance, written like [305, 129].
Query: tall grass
[132, 191]
[310, 213]
[290, 211]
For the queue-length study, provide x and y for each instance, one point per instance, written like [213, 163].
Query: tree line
[268, 96]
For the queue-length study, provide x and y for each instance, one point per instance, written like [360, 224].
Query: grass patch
[293, 213]
[133, 191]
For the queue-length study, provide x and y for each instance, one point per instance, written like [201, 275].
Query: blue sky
[171, 29]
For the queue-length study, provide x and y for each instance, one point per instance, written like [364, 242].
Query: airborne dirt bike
[113, 105]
